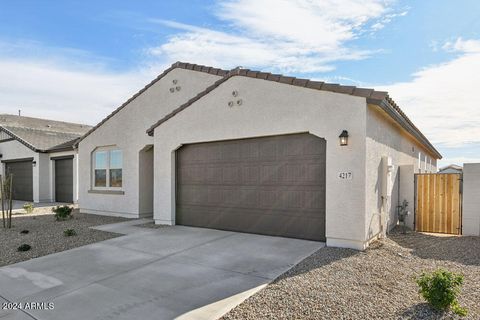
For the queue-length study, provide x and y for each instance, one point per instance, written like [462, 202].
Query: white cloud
[281, 35]
[463, 46]
[52, 90]
[443, 99]
[290, 36]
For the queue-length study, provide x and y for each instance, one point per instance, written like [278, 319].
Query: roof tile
[263, 75]
[315, 85]
[300, 82]
[378, 95]
[273, 77]
[287, 80]
[362, 92]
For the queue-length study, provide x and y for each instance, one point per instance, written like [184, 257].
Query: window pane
[101, 160]
[100, 178]
[116, 178]
[116, 159]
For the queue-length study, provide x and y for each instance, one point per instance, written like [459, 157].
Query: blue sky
[78, 60]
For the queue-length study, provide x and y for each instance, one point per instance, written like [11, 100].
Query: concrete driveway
[167, 273]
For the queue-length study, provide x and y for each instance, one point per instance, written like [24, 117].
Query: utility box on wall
[471, 199]
[387, 171]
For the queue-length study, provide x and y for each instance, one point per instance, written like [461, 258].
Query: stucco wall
[145, 191]
[387, 138]
[126, 130]
[44, 178]
[271, 108]
[407, 191]
[471, 199]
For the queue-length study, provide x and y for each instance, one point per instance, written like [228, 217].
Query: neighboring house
[453, 168]
[40, 155]
[255, 152]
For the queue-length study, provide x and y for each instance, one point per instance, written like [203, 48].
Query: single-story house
[40, 155]
[452, 168]
[255, 152]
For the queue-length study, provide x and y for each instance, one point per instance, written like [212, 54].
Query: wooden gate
[438, 203]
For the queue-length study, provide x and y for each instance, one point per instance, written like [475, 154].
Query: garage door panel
[253, 221]
[64, 180]
[273, 185]
[22, 172]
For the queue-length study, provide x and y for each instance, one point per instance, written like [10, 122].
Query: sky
[79, 60]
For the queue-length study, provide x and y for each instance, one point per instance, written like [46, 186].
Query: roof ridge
[42, 119]
[371, 95]
[177, 64]
[42, 130]
[21, 140]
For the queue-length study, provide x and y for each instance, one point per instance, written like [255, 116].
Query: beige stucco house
[255, 152]
[39, 153]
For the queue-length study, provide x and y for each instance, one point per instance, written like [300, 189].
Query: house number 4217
[346, 175]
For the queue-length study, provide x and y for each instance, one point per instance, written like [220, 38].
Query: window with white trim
[107, 168]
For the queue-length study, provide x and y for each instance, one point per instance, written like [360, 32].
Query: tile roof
[42, 135]
[380, 98]
[181, 65]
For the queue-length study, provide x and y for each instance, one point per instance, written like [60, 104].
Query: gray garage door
[272, 186]
[64, 180]
[22, 179]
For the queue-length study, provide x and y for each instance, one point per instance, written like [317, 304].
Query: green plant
[28, 207]
[441, 289]
[69, 233]
[62, 212]
[24, 231]
[24, 247]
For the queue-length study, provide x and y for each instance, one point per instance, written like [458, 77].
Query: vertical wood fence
[438, 203]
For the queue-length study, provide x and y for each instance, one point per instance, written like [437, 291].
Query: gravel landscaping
[379, 283]
[45, 235]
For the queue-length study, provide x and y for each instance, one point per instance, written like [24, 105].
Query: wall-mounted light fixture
[1, 155]
[343, 138]
[34, 163]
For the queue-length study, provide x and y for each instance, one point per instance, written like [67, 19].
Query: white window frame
[420, 162]
[107, 173]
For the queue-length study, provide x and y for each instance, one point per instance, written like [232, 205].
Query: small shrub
[69, 233]
[441, 289]
[28, 207]
[24, 247]
[62, 212]
[24, 231]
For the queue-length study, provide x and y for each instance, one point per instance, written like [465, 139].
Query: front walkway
[166, 273]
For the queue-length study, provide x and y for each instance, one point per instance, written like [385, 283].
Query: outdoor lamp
[343, 138]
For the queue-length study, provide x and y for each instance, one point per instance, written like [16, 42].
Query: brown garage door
[22, 179]
[272, 186]
[64, 180]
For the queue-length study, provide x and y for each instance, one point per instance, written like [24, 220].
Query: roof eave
[388, 108]
[178, 64]
[24, 142]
